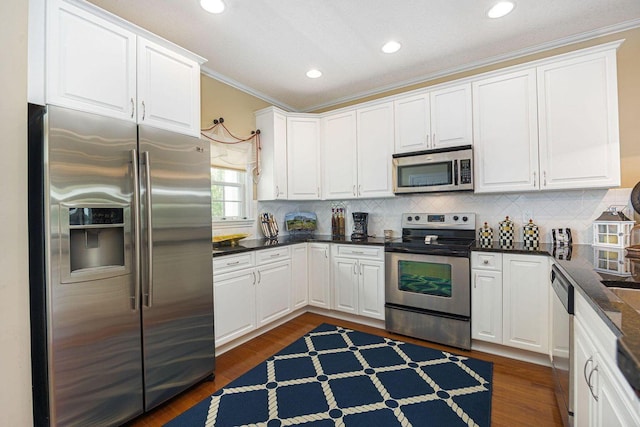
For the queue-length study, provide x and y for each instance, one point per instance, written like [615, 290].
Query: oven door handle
[455, 172]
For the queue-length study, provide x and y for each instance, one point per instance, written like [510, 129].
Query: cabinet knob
[485, 262]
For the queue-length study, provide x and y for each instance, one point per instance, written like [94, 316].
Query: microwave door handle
[455, 172]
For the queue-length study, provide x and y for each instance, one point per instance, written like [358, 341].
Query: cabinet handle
[427, 140]
[274, 255]
[433, 140]
[595, 396]
[133, 107]
[326, 255]
[233, 263]
[259, 276]
[254, 277]
[355, 273]
[359, 189]
[354, 189]
[544, 177]
[277, 192]
[318, 191]
[534, 178]
[584, 369]
[144, 110]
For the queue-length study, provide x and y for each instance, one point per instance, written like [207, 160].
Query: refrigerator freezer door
[93, 330]
[177, 304]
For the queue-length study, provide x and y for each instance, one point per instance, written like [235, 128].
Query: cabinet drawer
[486, 260]
[355, 251]
[228, 263]
[272, 255]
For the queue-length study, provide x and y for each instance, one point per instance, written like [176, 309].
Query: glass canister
[505, 233]
[485, 236]
[531, 235]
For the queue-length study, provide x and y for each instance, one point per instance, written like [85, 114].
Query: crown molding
[566, 41]
[562, 42]
[246, 89]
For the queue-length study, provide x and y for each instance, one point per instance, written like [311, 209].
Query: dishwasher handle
[562, 288]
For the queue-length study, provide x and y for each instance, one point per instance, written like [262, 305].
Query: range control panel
[461, 220]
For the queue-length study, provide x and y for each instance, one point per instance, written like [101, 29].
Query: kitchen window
[229, 195]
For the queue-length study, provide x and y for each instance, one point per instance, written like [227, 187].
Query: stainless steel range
[428, 278]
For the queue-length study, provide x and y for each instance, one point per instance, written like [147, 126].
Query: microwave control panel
[465, 171]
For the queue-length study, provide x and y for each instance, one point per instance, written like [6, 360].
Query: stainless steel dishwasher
[562, 343]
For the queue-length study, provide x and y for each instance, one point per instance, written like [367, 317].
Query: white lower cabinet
[510, 300]
[250, 291]
[319, 274]
[603, 398]
[358, 280]
[299, 272]
[273, 287]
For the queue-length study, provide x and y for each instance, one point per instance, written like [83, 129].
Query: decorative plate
[635, 198]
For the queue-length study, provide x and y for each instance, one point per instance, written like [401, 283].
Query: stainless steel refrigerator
[120, 266]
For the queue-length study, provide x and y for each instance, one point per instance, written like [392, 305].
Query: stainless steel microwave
[433, 171]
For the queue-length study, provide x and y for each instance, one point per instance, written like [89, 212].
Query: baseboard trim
[511, 353]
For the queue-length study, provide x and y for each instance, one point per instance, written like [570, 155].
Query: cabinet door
[451, 116]
[91, 63]
[578, 110]
[272, 183]
[584, 363]
[613, 409]
[235, 304]
[375, 145]
[273, 291]
[486, 306]
[506, 133]
[168, 89]
[319, 275]
[345, 285]
[299, 282]
[303, 158]
[340, 156]
[371, 289]
[412, 123]
[526, 302]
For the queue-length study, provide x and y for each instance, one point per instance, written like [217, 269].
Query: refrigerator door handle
[147, 168]
[136, 230]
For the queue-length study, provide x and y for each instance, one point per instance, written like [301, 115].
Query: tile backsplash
[575, 209]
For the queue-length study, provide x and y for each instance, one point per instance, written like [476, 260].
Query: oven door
[428, 282]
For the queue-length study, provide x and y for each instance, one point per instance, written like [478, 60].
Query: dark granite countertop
[622, 319]
[256, 244]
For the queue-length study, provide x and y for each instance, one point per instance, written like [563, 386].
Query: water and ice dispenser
[96, 238]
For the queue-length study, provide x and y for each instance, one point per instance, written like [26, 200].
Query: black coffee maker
[360, 220]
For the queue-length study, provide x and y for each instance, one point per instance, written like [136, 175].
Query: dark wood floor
[522, 392]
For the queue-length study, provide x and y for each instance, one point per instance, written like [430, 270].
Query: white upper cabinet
[303, 158]
[451, 116]
[168, 89]
[412, 123]
[551, 127]
[91, 63]
[578, 113]
[431, 120]
[375, 145]
[97, 63]
[272, 181]
[340, 156]
[506, 132]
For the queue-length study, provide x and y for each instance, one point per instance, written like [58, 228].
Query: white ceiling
[265, 47]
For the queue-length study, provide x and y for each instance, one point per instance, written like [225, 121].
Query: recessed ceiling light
[314, 74]
[391, 47]
[500, 9]
[212, 6]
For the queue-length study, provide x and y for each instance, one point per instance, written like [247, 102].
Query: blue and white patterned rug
[337, 376]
